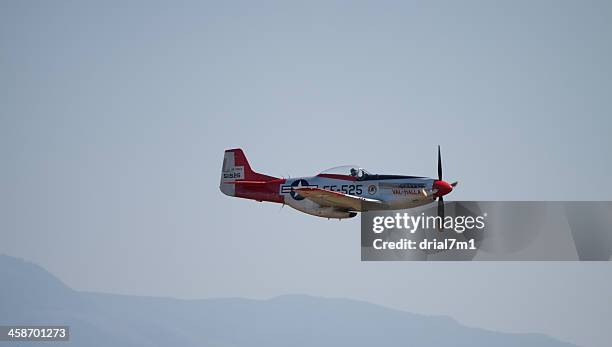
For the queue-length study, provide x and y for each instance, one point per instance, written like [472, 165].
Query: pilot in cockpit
[358, 173]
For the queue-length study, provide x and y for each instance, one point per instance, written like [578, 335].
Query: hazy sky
[114, 118]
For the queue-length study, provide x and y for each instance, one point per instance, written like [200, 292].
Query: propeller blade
[441, 207]
[439, 164]
[454, 184]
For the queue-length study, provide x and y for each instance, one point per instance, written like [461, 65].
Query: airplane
[340, 192]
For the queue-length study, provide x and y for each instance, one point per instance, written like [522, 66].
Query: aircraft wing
[330, 198]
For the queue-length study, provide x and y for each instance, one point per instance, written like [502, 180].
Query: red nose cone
[443, 188]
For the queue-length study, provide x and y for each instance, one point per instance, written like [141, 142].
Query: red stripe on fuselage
[261, 190]
[338, 177]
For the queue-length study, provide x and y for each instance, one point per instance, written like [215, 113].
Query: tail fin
[236, 168]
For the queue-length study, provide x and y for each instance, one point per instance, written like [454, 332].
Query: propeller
[440, 198]
[439, 164]
[442, 187]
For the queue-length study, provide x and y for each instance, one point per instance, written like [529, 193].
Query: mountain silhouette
[30, 295]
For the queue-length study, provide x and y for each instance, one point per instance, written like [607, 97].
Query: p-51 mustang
[339, 192]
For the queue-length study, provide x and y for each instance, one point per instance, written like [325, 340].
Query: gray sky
[114, 118]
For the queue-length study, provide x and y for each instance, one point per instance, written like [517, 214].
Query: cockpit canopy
[347, 170]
